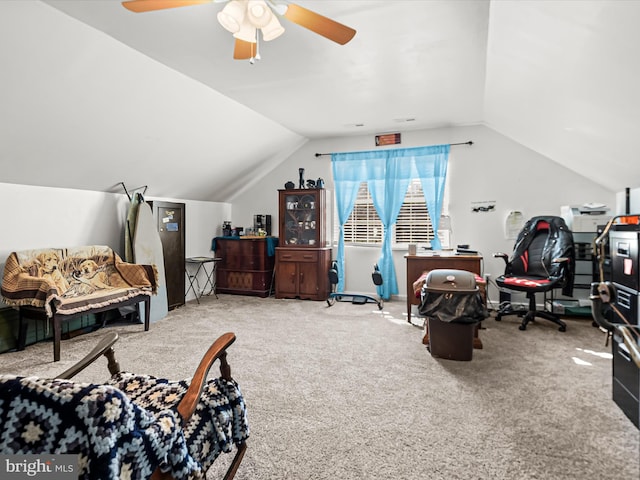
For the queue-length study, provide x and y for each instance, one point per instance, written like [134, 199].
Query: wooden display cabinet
[303, 259]
[303, 273]
[302, 218]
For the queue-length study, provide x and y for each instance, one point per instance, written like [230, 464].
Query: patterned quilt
[73, 280]
[218, 423]
[118, 435]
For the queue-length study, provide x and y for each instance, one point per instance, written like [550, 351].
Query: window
[364, 225]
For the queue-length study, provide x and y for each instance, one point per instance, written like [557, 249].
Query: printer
[585, 218]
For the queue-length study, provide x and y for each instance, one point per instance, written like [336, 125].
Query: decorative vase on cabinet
[303, 259]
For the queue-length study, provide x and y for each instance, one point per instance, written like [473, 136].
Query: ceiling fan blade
[244, 50]
[319, 24]
[140, 6]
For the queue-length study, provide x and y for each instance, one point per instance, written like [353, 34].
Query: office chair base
[507, 309]
[529, 316]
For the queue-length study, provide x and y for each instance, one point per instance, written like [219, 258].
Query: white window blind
[364, 225]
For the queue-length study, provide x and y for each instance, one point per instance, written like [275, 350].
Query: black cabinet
[626, 381]
[625, 274]
[623, 249]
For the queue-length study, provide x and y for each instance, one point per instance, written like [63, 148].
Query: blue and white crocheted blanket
[125, 429]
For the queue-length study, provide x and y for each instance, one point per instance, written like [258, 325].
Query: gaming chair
[543, 260]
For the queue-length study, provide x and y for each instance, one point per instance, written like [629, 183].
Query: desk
[418, 264]
[199, 263]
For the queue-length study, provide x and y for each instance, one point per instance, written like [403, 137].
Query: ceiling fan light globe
[259, 13]
[228, 23]
[247, 32]
[232, 15]
[272, 30]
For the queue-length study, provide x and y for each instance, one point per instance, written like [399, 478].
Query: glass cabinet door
[300, 220]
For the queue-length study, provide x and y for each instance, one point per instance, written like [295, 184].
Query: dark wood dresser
[246, 265]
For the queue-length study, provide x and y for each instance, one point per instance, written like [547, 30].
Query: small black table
[210, 275]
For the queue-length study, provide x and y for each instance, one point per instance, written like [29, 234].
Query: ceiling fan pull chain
[257, 56]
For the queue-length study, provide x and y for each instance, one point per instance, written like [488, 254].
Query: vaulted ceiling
[93, 94]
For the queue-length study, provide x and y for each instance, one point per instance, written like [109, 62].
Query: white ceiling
[104, 94]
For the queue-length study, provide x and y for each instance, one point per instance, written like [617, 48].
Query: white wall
[42, 217]
[494, 168]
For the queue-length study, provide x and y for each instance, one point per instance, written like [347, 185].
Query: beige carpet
[348, 392]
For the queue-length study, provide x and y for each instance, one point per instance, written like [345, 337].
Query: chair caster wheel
[522, 327]
[563, 328]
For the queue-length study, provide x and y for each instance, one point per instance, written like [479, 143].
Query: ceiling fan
[244, 18]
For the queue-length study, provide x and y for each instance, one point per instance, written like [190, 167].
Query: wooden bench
[57, 284]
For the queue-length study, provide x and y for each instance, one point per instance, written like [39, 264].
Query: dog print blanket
[73, 280]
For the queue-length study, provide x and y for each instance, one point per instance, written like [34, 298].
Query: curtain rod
[451, 144]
